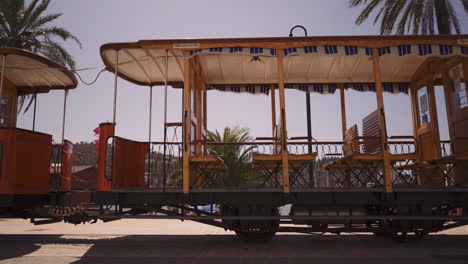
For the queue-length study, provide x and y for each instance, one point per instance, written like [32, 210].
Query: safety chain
[66, 211]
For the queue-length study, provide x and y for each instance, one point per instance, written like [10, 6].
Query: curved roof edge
[6, 51]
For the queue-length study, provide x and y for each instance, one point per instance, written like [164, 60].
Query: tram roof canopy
[32, 73]
[315, 64]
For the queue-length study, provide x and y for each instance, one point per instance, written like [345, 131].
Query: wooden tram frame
[252, 212]
[403, 205]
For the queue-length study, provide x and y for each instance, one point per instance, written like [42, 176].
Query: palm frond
[41, 21]
[465, 5]
[411, 16]
[37, 11]
[453, 17]
[367, 10]
[404, 19]
[56, 52]
[62, 33]
[27, 27]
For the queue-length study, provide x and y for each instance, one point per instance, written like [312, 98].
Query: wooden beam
[284, 134]
[383, 128]
[186, 127]
[288, 42]
[343, 109]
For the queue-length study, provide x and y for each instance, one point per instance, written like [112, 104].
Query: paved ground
[172, 241]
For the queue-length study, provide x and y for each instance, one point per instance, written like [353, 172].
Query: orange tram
[369, 182]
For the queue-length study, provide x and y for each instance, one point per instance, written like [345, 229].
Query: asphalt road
[171, 241]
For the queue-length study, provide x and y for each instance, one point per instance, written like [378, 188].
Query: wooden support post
[186, 125]
[383, 128]
[343, 109]
[347, 181]
[415, 115]
[284, 136]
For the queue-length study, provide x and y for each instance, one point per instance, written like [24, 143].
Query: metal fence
[165, 168]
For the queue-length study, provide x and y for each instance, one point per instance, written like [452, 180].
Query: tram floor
[172, 241]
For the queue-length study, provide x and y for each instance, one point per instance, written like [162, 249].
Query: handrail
[267, 143]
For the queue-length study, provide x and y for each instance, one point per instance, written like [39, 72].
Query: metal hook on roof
[297, 26]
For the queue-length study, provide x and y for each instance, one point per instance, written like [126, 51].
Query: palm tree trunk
[442, 16]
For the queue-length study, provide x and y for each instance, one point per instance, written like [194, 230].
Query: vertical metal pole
[64, 114]
[150, 177]
[115, 86]
[165, 122]
[34, 114]
[309, 139]
[309, 122]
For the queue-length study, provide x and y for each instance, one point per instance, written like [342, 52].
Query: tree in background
[27, 27]
[412, 16]
[235, 156]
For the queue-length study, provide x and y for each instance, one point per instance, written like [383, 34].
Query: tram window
[459, 93]
[109, 158]
[424, 115]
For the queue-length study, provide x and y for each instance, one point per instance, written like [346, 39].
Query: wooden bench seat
[267, 161]
[371, 146]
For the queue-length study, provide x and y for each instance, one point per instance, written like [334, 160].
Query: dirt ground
[173, 241]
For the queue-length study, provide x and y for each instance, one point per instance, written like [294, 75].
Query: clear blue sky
[103, 21]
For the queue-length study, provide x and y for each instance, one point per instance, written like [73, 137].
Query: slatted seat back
[351, 141]
[371, 133]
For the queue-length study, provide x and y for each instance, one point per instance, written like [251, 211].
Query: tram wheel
[252, 230]
[420, 234]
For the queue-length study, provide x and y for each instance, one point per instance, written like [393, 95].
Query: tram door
[427, 128]
[426, 131]
[457, 115]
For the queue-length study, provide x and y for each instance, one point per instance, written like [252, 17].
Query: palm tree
[27, 27]
[236, 156]
[412, 16]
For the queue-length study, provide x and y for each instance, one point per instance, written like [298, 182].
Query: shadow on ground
[228, 249]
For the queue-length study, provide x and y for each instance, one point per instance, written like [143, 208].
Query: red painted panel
[67, 152]
[129, 163]
[25, 161]
[106, 130]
